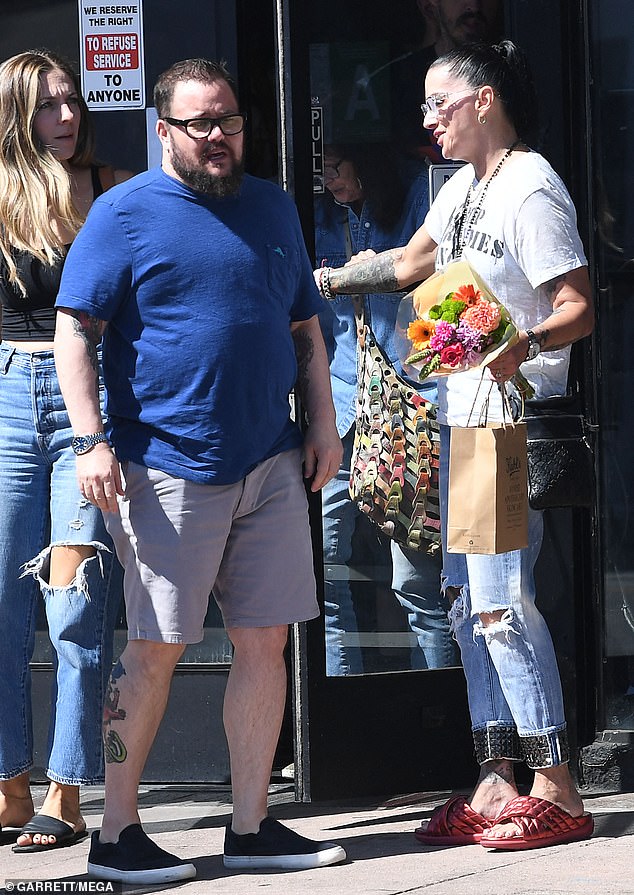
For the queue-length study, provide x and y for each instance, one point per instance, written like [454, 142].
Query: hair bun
[506, 49]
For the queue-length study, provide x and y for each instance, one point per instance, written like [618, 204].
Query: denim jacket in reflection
[337, 317]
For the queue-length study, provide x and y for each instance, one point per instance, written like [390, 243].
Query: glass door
[383, 608]
[375, 719]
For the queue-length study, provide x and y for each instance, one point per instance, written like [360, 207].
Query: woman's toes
[503, 831]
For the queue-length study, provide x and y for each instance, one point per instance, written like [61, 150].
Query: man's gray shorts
[248, 542]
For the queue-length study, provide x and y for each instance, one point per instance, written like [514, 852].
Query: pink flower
[452, 355]
[483, 316]
[443, 335]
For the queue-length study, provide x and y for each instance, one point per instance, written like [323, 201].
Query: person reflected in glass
[509, 215]
[448, 24]
[370, 202]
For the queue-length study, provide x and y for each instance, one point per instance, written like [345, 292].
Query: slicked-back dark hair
[504, 67]
[204, 70]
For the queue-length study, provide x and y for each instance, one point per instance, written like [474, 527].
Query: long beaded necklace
[469, 216]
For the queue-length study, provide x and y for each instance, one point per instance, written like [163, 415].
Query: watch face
[81, 444]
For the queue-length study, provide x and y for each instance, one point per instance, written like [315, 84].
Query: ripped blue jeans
[513, 683]
[42, 507]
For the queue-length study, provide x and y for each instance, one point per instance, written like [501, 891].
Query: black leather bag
[560, 457]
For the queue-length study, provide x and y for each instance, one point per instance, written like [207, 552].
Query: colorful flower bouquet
[452, 322]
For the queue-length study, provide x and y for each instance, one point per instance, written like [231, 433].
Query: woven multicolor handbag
[395, 458]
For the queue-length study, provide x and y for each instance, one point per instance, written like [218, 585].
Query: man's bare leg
[135, 704]
[253, 713]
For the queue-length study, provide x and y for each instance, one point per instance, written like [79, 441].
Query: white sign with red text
[112, 61]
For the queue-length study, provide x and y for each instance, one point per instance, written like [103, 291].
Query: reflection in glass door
[384, 610]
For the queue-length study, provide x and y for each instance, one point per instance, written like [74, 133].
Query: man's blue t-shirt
[199, 294]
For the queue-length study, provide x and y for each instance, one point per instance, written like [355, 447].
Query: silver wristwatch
[81, 444]
[534, 347]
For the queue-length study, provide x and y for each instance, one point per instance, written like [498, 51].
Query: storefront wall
[395, 716]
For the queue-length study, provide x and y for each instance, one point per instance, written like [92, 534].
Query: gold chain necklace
[469, 216]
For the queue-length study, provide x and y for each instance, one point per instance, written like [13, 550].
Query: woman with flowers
[508, 214]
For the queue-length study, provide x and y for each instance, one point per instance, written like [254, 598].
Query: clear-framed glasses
[331, 172]
[436, 101]
[200, 128]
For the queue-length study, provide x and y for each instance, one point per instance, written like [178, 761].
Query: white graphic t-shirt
[524, 236]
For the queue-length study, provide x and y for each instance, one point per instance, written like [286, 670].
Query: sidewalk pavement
[384, 858]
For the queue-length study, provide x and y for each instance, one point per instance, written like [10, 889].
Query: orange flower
[484, 316]
[468, 294]
[419, 332]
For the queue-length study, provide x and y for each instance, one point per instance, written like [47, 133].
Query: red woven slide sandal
[454, 823]
[540, 823]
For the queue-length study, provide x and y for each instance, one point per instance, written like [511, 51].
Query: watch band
[81, 444]
[534, 346]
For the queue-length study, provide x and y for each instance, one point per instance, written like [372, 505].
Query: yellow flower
[419, 332]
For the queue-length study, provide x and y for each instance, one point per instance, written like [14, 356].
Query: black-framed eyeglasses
[331, 172]
[437, 100]
[200, 128]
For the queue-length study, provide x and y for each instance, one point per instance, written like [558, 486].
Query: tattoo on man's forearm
[89, 330]
[304, 351]
[375, 274]
[114, 748]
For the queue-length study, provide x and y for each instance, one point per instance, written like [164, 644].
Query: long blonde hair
[35, 187]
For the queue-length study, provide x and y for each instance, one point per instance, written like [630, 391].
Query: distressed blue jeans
[415, 583]
[513, 683]
[42, 507]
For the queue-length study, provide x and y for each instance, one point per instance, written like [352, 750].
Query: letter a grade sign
[112, 63]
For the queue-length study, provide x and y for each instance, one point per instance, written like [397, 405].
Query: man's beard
[468, 28]
[220, 187]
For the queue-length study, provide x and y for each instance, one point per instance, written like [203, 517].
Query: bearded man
[460, 22]
[197, 278]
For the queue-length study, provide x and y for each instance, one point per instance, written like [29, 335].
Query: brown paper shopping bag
[488, 492]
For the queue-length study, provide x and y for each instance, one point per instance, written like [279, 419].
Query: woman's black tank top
[31, 317]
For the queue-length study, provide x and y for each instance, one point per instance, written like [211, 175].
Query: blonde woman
[52, 540]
